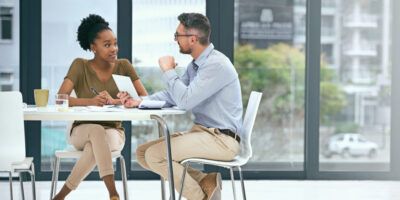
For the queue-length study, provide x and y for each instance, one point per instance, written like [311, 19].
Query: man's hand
[127, 100]
[166, 63]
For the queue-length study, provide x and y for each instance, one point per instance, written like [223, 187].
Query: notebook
[151, 104]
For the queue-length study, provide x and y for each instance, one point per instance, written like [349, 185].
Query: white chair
[75, 154]
[72, 153]
[12, 143]
[245, 147]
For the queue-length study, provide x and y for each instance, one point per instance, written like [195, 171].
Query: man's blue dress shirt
[209, 88]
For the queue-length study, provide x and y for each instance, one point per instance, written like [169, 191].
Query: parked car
[349, 144]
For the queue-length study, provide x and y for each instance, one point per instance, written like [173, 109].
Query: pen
[94, 91]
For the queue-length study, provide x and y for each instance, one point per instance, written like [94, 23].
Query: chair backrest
[248, 122]
[12, 133]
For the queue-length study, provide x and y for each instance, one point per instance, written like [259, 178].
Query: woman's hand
[127, 100]
[110, 100]
[99, 100]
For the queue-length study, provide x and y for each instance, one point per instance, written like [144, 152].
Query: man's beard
[188, 51]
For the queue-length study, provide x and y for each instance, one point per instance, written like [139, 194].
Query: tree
[279, 73]
[274, 71]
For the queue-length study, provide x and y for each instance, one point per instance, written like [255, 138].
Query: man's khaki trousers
[199, 142]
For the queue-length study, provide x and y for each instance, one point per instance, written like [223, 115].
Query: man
[209, 88]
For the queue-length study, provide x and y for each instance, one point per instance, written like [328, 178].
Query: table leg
[161, 134]
[162, 127]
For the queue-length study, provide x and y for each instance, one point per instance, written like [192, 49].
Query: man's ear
[194, 39]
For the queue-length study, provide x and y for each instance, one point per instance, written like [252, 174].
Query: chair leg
[57, 173]
[233, 183]
[54, 178]
[183, 180]
[10, 181]
[123, 176]
[22, 186]
[33, 181]
[242, 182]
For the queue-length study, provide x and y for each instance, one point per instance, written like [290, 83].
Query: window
[153, 37]
[9, 46]
[6, 17]
[60, 21]
[269, 57]
[356, 76]
[356, 84]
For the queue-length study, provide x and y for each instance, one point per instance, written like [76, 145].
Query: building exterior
[355, 42]
[9, 45]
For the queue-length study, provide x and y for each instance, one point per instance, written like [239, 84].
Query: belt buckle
[233, 134]
[229, 133]
[237, 138]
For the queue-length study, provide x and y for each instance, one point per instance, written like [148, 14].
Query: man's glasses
[176, 35]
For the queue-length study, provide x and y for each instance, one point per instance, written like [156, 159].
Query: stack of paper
[151, 104]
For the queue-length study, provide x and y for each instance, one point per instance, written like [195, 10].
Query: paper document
[105, 108]
[124, 84]
[151, 104]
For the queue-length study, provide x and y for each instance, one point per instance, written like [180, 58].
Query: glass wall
[60, 21]
[269, 57]
[355, 85]
[9, 45]
[153, 37]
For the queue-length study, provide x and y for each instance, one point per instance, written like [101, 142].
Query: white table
[81, 113]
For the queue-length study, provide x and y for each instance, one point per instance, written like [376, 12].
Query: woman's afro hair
[89, 28]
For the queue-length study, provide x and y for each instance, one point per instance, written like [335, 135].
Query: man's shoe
[211, 185]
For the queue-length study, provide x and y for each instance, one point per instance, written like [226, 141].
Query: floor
[256, 190]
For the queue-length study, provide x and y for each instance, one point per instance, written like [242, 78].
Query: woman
[93, 83]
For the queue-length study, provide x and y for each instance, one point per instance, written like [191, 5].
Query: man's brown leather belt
[230, 133]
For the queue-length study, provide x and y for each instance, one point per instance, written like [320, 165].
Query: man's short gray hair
[198, 22]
